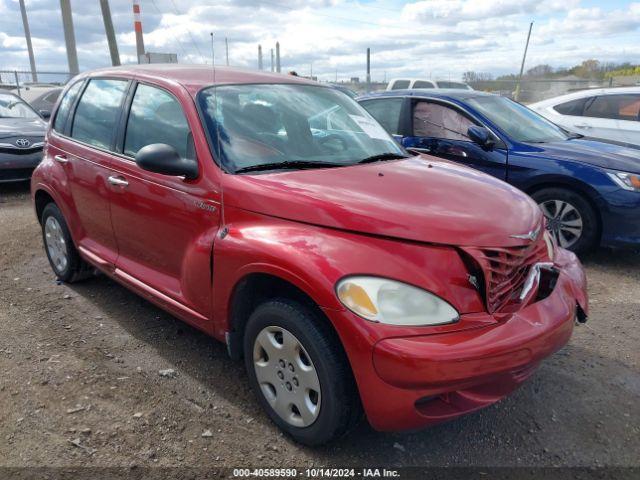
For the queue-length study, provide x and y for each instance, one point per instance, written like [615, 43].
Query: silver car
[21, 138]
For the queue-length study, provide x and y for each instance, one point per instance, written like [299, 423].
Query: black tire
[588, 239]
[340, 408]
[75, 269]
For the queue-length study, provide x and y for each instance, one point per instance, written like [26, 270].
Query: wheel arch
[255, 288]
[41, 198]
[585, 191]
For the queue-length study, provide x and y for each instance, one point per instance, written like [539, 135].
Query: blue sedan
[588, 190]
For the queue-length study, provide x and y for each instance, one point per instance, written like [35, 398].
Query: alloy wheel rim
[56, 244]
[287, 377]
[564, 222]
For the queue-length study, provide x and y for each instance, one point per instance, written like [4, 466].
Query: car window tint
[386, 111]
[400, 85]
[438, 121]
[422, 84]
[616, 107]
[157, 117]
[572, 107]
[629, 107]
[63, 110]
[445, 84]
[97, 112]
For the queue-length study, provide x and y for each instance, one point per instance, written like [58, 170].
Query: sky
[437, 39]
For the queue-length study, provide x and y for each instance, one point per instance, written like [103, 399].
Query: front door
[164, 225]
[441, 129]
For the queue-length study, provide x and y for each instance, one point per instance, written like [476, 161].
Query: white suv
[604, 113]
[417, 83]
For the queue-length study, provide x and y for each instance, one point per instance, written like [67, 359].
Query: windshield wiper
[287, 165]
[383, 156]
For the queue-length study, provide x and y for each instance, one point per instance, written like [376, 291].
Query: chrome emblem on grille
[23, 142]
[532, 235]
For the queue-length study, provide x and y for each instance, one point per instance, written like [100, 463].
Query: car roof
[589, 92]
[195, 77]
[443, 93]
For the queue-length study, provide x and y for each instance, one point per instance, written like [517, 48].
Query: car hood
[17, 127]
[421, 199]
[593, 152]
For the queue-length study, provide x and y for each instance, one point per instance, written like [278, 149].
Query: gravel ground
[80, 383]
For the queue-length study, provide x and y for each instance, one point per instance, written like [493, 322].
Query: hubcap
[287, 376]
[563, 221]
[56, 245]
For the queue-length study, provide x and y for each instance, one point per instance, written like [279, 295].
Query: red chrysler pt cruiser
[276, 215]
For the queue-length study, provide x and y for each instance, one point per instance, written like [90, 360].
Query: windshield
[290, 125]
[13, 107]
[517, 121]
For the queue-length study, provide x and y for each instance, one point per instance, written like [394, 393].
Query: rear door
[613, 117]
[440, 129]
[81, 143]
[164, 225]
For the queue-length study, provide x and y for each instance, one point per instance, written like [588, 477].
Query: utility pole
[226, 47]
[278, 57]
[27, 36]
[111, 35]
[69, 37]
[137, 25]
[272, 59]
[259, 57]
[516, 95]
[368, 69]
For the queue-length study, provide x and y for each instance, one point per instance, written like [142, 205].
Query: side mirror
[164, 159]
[481, 136]
[46, 114]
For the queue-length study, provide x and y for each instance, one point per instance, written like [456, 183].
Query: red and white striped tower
[137, 25]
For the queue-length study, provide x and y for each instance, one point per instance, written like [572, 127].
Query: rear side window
[63, 110]
[386, 111]
[452, 85]
[573, 107]
[616, 107]
[157, 117]
[97, 113]
[400, 85]
[422, 84]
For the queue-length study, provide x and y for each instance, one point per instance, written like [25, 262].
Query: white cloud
[425, 37]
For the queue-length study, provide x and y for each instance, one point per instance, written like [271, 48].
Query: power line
[189, 32]
[184, 52]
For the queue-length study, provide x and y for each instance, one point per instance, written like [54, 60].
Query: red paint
[311, 228]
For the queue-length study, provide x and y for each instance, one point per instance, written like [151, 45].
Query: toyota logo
[23, 142]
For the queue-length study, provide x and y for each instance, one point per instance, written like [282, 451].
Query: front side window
[97, 113]
[252, 125]
[386, 111]
[400, 85]
[517, 121]
[614, 107]
[434, 120]
[65, 104]
[14, 107]
[572, 107]
[157, 117]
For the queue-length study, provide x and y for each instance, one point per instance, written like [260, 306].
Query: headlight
[551, 244]
[628, 181]
[394, 303]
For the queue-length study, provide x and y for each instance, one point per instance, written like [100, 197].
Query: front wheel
[299, 372]
[570, 218]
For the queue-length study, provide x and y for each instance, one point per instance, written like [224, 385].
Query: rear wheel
[570, 218]
[61, 252]
[299, 372]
